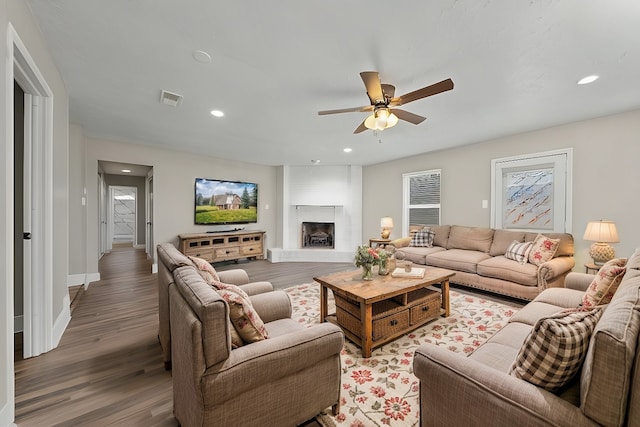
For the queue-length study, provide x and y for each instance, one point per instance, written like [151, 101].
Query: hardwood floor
[108, 369]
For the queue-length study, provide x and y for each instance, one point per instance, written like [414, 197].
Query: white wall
[174, 174]
[77, 211]
[606, 179]
[18, 14]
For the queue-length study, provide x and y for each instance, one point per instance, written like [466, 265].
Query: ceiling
[274, 65]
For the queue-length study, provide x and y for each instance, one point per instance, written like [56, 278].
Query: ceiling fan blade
[388, 90]
[434, 89]
[407, 116]
[360, 128]
[371, 81]
[347, 110]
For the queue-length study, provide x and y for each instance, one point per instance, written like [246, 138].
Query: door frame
[38, 325]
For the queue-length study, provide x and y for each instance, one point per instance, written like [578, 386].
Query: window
[421, 195]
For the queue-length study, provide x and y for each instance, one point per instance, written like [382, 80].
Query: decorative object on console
[365, 258]
[601, 232]
[386, 223]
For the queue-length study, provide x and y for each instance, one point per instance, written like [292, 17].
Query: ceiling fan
[383, 103]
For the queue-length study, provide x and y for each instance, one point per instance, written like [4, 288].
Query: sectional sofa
[479, 390]
[477, 255]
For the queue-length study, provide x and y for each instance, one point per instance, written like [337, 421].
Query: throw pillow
[554, 350]
[243, 317]
[205, 269]
[518, 251]
[605, 283]
[216, 284]
[236, 341]
[422, 238]
[543, 249]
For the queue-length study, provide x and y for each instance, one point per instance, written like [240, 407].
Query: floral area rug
[382, 390]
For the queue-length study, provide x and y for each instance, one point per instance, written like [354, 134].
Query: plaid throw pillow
[518, 251]
[553, 352]
[422, 238]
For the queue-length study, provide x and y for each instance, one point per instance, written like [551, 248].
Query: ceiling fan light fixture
[382, 118]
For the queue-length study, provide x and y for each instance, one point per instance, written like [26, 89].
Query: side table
[591, 267]
[378, 242]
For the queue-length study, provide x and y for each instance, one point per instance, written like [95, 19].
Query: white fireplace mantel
[319, 194]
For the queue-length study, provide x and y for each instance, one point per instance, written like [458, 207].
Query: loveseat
[170, 258]
[477, 255]
[479, 390]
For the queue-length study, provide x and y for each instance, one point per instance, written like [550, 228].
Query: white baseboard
[139, 246]
[76, 279]
[91, 277]
[7, 413]
[60, 325]
[18, 324]
[154, 268]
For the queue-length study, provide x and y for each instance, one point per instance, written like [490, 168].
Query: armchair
[284, 380]
[170, 258]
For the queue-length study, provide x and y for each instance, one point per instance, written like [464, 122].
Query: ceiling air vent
[170, 98]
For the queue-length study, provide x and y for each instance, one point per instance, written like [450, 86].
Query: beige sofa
[476, 254]
[477, 390]
[283, 380]
[170, 258]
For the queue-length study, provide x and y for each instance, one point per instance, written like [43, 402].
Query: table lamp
[601, 232]
[386, 223]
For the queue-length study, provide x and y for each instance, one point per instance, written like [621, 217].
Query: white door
[123, 214]
[149, 218]
[102, 216]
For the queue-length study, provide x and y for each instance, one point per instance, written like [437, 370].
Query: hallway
[108, 367]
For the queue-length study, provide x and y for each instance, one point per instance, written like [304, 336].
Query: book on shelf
[414, 273]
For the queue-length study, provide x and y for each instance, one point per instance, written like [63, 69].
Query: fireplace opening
[318, 235]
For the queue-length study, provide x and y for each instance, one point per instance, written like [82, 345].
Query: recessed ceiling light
[217, 113]
[588, 79]
[315, 162]
[202, 56]
[126, 170]
[347, 150]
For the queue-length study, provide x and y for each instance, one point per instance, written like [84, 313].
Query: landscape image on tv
[225, 202]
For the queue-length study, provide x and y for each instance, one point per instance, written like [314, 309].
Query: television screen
[225, 202]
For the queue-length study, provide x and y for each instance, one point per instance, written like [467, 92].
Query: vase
[367, 271]
[383, 268]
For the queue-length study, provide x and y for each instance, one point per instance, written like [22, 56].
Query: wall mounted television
[225, 202]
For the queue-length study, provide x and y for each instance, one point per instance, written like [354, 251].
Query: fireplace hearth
[318, 235]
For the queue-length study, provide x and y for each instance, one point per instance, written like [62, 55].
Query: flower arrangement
[366, 256]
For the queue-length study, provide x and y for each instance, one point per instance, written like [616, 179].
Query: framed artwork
[532, 192]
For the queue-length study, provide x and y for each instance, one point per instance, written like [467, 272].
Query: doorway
[123, 215]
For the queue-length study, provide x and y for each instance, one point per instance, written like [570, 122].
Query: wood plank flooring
[108, 368]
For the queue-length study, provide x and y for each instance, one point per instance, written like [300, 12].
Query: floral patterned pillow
[543, 249]
[243, 317]
[205, 269]
[605, 284]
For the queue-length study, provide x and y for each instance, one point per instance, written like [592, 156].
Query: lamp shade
[601, 231]
[386, 222]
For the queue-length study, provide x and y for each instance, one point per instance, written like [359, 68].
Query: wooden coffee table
[372, 313]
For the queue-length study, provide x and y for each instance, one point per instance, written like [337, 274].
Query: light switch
[485, 204]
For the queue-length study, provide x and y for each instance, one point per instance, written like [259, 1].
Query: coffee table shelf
[372, 313]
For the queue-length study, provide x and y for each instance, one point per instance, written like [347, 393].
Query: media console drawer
[223, 246]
